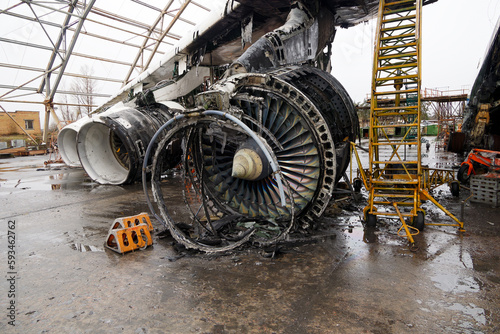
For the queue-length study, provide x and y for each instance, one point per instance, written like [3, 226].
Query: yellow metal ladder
[395, 180]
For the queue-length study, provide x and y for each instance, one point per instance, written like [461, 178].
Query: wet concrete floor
[344, 279]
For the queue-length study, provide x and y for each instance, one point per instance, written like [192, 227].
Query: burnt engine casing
[307, 119]
[260, 158]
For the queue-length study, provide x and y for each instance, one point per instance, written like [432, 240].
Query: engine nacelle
[66, 141]
[110, 146]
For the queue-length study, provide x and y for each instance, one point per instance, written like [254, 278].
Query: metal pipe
[96, 11]
[166, 13]
[32, 89]
[22, 85]
[76, 54]
[76, 75]
[126, 20]
[60, 39]
[11, 7]
[70, 49]
[54, 103]
[106, 38]
[201, 6]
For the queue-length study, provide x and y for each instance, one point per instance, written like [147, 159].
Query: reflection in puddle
[370, 236]
[471, 310]
[455, 283]
[86, 248]
[71, 179]
[358, 234]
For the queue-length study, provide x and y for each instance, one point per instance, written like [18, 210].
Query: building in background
[18, 121]
[19, 128]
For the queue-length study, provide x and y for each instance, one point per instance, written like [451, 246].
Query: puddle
[452, 265]
[455, 283]
[86, 248]
[21, 168]
[69, 180]
[472, 311]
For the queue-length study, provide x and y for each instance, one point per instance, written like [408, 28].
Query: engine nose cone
[247, 165]
[250, 163]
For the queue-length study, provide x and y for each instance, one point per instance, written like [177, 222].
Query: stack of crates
[486, 189]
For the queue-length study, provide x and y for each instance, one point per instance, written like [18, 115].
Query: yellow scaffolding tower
[395, 183]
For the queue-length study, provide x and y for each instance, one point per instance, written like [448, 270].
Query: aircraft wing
[218, 39]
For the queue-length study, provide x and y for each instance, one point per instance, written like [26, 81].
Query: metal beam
[11, 7]
[76, 75]
[126, 20]
[31, 45]
[179, 13]
[24, 84]
[154, 38]
[69, 51]
[41, 4]
[27, 18]
[57, 25]
[167, 13]
[146, 39]
[54, 103]
[35, 90]
[76, 54]
[201, 6]
[60, 39]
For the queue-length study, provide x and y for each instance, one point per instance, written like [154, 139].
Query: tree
[424, 110]
[363, 110]
[67, 115]
[84, 88]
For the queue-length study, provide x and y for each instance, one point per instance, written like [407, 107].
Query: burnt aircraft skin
[483, 129]
[302, 38]
[221, 43]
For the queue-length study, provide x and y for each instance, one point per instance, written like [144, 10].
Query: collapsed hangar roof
[47, 45]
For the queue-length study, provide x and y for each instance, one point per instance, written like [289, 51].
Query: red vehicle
[479, 162]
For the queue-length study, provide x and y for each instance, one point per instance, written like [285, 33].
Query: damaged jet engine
[260, 150]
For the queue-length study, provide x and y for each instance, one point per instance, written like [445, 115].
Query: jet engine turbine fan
[260, 158]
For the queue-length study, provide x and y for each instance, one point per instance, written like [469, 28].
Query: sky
[455, 38]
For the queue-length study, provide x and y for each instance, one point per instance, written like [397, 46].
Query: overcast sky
[455, 37]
